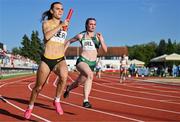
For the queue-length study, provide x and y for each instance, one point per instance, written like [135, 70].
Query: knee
[90, 76]
[62, 80]
[64, 77]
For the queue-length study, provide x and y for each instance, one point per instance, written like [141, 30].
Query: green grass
[15, 75]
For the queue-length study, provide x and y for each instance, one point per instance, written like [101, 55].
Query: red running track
[133, 100]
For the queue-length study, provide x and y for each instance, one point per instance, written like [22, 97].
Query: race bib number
[60, 36]
[88, 45]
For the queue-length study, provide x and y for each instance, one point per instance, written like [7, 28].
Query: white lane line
[142, 87]
[124, 95]
[128, 104]
[167, 88]
[17, 107]
[110, 78]
[70, 78]
[155, 84]
[136, 92]
[143, 92]
[98, 111]
[142, 98]
[15, 81]
[39, 117]
[163, 101]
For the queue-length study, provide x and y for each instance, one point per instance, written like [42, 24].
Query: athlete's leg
[62, 71]
[125, 74]
[121, 75]
[85, 69]
[99, 73]
[42, 75]
[80, 80]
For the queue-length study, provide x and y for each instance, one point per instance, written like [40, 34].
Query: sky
[122, 22]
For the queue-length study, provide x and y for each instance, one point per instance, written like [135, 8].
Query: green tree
[170, 47]
[149, 51]
[162, 48]
[25, 49]
[36, 47]
[136, 52]
[31, 49]
[143, 52]
[16, 51]
[177, 50]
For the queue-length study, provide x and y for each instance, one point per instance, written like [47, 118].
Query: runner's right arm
[74, 39]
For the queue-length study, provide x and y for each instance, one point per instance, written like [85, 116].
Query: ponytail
[46, 14]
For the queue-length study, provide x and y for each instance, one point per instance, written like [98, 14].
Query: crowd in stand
[173, 71]
[8, 60]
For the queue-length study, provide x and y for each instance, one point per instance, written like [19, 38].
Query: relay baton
[68, 18]
[69, 14]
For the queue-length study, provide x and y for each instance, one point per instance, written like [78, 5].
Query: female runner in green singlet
[90, 42]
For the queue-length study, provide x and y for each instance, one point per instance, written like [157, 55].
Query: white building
[110, 60]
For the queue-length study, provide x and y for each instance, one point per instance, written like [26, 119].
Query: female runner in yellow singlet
[53, 57]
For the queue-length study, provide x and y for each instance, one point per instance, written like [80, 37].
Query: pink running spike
[27, 113]
[59, 109]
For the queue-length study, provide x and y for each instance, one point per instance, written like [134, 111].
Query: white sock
[31, 106]
[86, 100]
[57, 99]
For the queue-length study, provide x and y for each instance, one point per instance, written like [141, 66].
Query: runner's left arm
[101, 39]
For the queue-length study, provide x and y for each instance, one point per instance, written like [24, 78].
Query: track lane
[108, 97]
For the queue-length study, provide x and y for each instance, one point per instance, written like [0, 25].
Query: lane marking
[142, 98]
[150, 81]
[128, 104]
[124, 95]
[69, 103]
[15, 81]
[94, 110]
[17, 107]
[140, 84]
[143, 92]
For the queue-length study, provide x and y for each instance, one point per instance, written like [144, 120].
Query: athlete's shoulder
[45, 23]
[80, 35]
